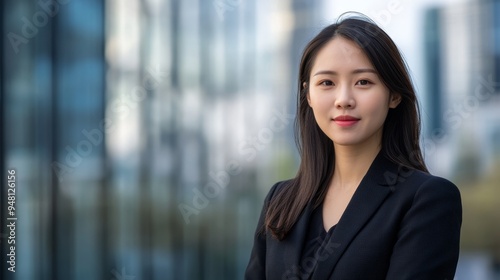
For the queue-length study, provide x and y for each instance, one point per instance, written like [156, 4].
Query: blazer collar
[374, 188]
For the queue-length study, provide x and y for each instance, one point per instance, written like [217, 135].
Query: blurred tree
[481, 218]
[467, 166]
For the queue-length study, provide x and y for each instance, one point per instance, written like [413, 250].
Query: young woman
[362, 205]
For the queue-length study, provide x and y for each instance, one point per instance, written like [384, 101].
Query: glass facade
[433, 74]
[145, 134]
[52, 92]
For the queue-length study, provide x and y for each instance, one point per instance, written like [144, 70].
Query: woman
[362, 205]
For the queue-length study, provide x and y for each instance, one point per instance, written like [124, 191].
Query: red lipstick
[345, 120]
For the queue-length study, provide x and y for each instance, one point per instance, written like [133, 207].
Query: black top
[316, 236]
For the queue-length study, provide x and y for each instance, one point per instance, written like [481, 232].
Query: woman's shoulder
[419, 177]
[277, 188]
[422, 183]
[426, 196]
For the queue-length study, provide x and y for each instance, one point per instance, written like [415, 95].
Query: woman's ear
[395, 99]
[304, 87]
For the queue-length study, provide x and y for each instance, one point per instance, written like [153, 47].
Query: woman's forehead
[341, 55]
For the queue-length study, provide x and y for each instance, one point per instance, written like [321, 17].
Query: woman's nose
[345, 99]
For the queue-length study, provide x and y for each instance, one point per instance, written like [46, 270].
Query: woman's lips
[345, 121]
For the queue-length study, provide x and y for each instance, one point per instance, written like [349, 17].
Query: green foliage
[481, 213]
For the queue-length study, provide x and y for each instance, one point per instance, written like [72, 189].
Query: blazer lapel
[292, 253]
[370, 194]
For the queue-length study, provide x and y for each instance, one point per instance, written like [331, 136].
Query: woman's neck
[351, 164]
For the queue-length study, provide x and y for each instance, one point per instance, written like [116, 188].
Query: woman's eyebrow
[365, 70]
[356, 71]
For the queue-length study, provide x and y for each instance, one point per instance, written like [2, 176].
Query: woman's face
[349, 100]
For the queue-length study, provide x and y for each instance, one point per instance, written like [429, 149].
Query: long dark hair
[401, 131]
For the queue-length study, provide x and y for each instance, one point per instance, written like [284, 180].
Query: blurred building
[52, 93]
[462, 46]
[462, 52]
[145, 134]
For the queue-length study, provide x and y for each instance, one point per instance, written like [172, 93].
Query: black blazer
[400, 224]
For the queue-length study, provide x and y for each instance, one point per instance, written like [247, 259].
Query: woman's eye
[363, 82]
[326, 83]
